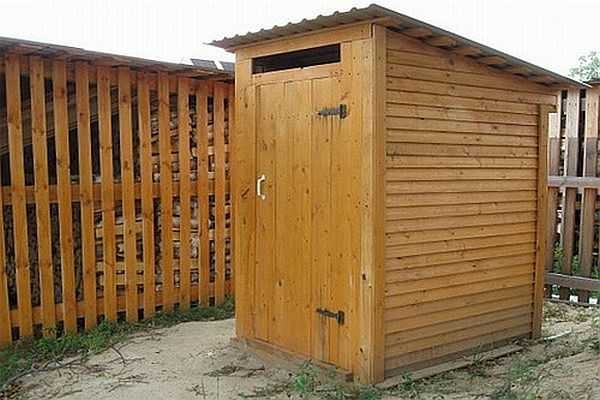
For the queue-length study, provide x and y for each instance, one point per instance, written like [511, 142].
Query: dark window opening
[297, 59]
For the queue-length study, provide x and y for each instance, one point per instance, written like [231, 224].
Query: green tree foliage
[588, 68]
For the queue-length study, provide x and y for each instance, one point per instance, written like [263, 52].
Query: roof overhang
[72, 54]
[423, 31]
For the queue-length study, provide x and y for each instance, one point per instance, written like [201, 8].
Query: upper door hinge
[341, 111]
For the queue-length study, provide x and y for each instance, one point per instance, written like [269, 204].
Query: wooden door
[301, 285]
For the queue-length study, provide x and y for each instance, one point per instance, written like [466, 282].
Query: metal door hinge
[341, 111]
[338, 316]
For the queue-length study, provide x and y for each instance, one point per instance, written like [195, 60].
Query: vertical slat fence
[573, 209]
[135, 163]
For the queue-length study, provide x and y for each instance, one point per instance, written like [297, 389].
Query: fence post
[553, 170]
[588, 210]
[570, 193]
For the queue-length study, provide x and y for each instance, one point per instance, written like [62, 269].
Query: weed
[557, 312]
[558, 258]
[408, 388]
[267, 391]
[582, 316]
[305, 382]
[521, 382]
[594, 340]
[310, 384]
[46, 353]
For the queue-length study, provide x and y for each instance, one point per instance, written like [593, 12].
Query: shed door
[302, 281]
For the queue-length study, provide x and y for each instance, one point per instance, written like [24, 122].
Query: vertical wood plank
[63, 162]
[570, 195]
[128, 198]
[369, 332]
[346, 189]
[243, 170]
[88, 250]
[203, 204]
[147, 196]
[183, 118]
[42, 198]
[5, 323]
[219, 146]
[553, 169]
[269, 121]
[231, 127]
[108, 195]
[321, 241]
[166, 191]
[541, 224]
[588, 209]
[19, 215]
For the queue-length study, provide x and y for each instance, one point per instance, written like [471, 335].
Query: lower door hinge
[338, 316]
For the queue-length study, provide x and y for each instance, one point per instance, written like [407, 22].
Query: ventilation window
[297, 59]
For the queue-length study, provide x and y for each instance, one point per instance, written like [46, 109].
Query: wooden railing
[114, 192]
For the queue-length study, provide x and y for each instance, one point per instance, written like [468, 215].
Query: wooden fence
[573, 243]
[114, 193]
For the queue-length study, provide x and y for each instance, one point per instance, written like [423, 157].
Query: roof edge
[402, 22]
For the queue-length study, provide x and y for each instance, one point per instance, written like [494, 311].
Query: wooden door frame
[370, 358]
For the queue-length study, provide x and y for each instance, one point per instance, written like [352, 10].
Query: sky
[552, 34]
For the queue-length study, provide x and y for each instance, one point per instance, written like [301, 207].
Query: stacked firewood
[176, 224]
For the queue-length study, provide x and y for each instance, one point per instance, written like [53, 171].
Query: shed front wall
[462, 196]
[335, 266]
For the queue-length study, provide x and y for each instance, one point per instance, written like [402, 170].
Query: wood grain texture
[370, 358]
[219, 141]
[202, 190]
[149, 256]
[243, 166]
[588, 207]
[465, 204]
[128, 198]
[571, 157]
[231, 130]
[553, 192]
[64, 195]
[183, 119]
[19, 211]
[5, 322]
[86, 203]
[542, 223]
[166, 192]
[42, 200]
[108, 195]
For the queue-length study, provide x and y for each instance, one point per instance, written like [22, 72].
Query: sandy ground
[190, 361]
[197, 361]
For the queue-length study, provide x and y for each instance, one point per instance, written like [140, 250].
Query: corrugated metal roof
[402, 23]
[67, 53]
[216, 65]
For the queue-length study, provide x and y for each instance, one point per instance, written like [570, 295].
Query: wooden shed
[389, 192]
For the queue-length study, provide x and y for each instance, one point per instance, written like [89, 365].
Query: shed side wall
[461, 187]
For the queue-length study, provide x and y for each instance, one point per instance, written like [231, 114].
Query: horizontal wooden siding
[461, 185]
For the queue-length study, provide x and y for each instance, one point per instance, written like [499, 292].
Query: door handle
[259, 183]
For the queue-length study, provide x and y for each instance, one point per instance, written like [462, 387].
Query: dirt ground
[197, 361]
